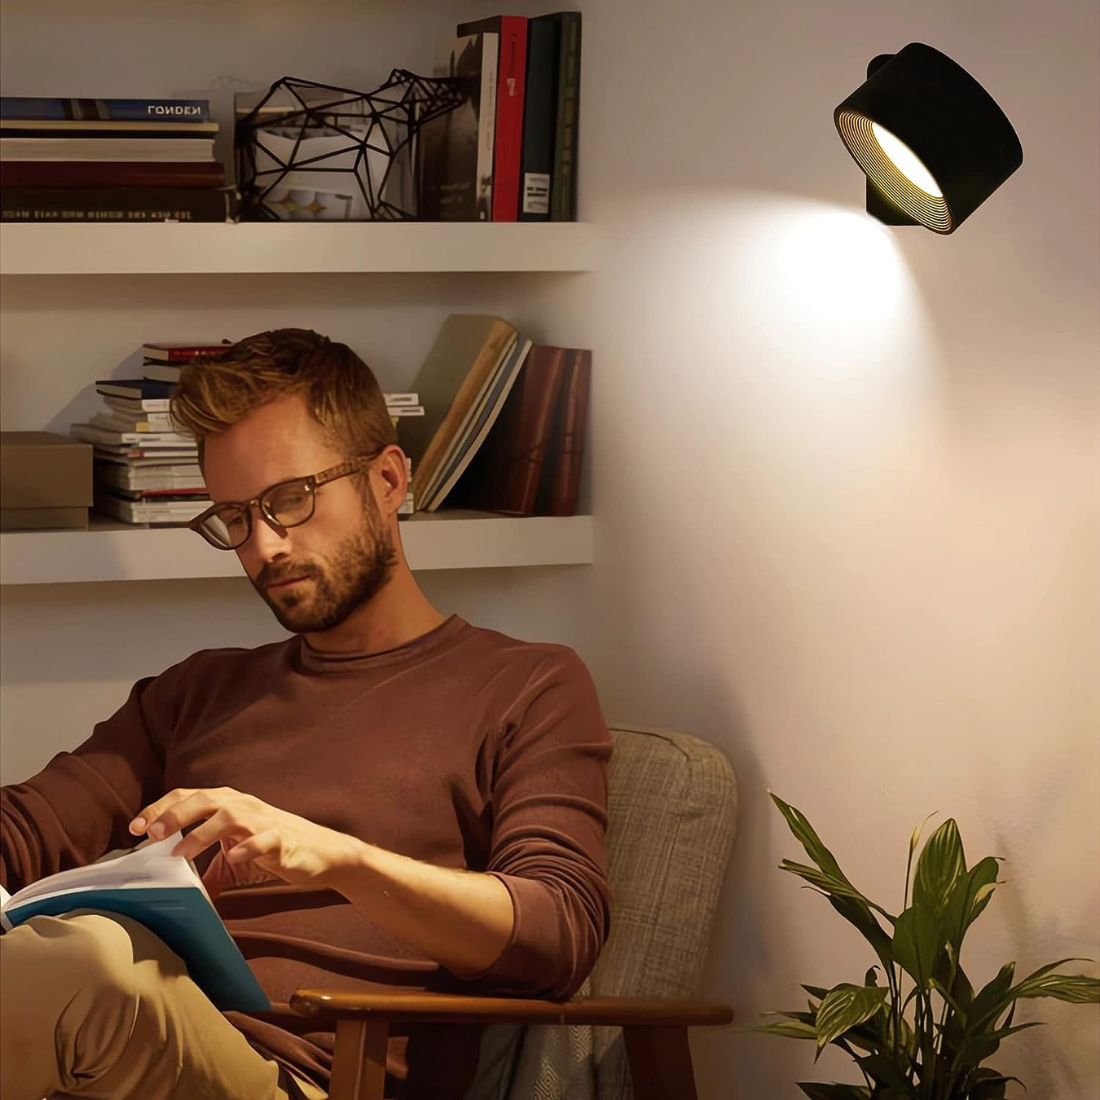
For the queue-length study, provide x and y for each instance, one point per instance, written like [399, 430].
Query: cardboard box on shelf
[45, 481]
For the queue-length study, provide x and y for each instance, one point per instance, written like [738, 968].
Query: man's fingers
[163, 817]
[195, 806]
[221, 826]
[141, 823]
[253, 847]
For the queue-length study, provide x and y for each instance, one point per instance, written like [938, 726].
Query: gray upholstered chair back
[673, 803]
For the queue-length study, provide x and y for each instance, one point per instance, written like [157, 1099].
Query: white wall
[845, 476]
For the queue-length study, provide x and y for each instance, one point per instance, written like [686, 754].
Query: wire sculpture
[314, 152]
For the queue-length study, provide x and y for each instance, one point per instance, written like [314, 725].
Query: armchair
[672, 820]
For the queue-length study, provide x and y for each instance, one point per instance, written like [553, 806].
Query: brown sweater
[463, 748]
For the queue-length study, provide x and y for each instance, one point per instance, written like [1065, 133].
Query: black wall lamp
[930, 138]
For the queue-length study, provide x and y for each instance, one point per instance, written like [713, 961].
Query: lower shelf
[441, 540]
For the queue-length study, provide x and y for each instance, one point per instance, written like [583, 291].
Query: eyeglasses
[287, 504]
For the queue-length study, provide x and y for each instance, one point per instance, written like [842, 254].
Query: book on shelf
[93, 433]
[81, 128]
[559, 484]
[504, 474]
[399, 400]
[122, 110]
[511, 31]
[456, 149]
[405, 410]
[165, 894]
[153, 512]
[124, 422]
[116, 204]
[154, 396]
[129, 149]
[185, 352]
[137, 407]
[90, 173]
[468, 350]
[150, 479]
[129, 455]
[162, 372]
[563, 193]
[167, 494]
[548, 178]
[539, 109]
[477, 425]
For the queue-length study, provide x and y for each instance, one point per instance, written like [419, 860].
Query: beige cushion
[673, 804]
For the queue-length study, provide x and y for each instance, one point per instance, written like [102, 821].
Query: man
[390, 798]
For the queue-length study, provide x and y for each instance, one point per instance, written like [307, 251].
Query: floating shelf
[441, 540]
[171, 248]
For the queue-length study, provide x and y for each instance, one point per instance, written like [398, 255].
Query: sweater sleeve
[78, 807]
[549, 798]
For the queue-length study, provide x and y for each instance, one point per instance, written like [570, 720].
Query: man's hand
[253, 836]
[462, 919]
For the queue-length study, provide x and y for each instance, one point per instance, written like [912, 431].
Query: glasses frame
[262, 504]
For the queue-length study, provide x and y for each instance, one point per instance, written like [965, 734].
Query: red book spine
[160, 354]
[511, 91]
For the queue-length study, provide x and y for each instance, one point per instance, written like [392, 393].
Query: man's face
[315, 575]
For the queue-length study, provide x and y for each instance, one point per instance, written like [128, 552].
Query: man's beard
[356, 571]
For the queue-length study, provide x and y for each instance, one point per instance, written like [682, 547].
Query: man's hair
[339, 389]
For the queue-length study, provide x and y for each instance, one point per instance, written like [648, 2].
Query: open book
[162, 892]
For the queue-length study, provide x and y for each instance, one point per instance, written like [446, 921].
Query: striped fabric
[673, 803]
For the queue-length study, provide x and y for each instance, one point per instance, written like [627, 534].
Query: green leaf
[913, 841]
[884, 1071]
[861, 917]
[1078, 989]
[789, 1029]
[834, 1092]
[985, 1046]
[871, 977]
[827, 883]
[990, 1000]
[846, 1008]
[918, 943]
[940, 866]
[817, 851]
[969, 897]
[988, 1084]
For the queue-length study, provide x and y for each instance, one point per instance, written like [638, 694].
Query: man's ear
[394, 478]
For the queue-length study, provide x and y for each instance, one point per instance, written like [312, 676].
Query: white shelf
[443, 540]
[168, 248]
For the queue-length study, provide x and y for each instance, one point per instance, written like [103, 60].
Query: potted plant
[925, 1032]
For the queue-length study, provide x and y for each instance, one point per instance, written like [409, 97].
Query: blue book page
[185, 920]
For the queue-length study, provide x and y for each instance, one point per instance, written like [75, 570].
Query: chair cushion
[671, 826]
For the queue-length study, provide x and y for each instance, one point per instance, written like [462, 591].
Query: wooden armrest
[440, 1008]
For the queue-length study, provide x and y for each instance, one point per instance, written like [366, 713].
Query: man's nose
[268, 539]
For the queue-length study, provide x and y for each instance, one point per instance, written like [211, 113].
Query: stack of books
[400, 405]
[510, 152]
[145, 471]
[505, 421]
[110, 160]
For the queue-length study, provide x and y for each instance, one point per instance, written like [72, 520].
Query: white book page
[152, 865]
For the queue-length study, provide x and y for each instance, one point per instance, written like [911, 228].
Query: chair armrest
[440, 1008]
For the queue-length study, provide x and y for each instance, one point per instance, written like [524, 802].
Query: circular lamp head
[929, 137]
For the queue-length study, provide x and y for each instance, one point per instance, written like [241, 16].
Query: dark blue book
[164, 894]
[142, 389]
[117, 110]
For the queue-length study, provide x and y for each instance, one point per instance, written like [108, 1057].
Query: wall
[844, 475]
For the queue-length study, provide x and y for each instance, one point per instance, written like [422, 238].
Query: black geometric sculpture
[313, 152]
